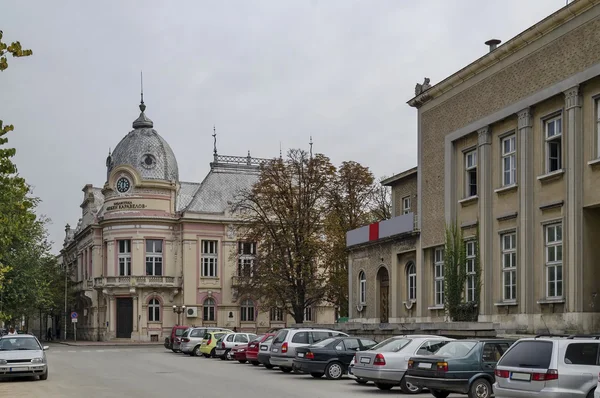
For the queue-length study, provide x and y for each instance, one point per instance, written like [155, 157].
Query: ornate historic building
[147, 242]
[510, 143]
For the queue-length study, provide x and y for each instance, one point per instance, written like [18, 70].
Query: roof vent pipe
[493, 43]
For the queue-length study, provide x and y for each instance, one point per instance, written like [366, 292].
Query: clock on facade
[123, 185]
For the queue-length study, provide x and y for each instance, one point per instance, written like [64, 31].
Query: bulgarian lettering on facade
[126, 205]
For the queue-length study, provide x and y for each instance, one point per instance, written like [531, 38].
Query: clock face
[123, 185]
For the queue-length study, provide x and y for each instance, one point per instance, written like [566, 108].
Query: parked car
[531, 367]
[597, 390]
[264, 354]
[283, 349]
[191, 340]
[22, 355]
[239, 353]
[386, 363]
[227, 342]
[254, 347]
[176, 332]
[461, 366]
[330, 357]
[209, 343]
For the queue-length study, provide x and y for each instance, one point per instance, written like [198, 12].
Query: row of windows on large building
[553, 269]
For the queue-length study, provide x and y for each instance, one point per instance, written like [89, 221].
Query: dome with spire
[146, 151]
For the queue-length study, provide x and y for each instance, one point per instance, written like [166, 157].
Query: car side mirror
[46, 348]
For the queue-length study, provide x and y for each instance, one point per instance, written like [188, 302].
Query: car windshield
[391, 345]
[456, 349]
[325, 342]
[268, 339]
[23, 343]
[179, 332]
[258, 338]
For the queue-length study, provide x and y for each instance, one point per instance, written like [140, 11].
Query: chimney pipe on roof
[493, 43]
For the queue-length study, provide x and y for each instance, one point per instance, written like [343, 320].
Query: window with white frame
[209, 307]
[598, 128]
[470, 249]
[362, 287]
[411, 277]
[554, 260]
[154, 310]
[553, 135]
[509, 160]
[406, 205]
[154, 257]
[471, 173]
[508, 243]
[438, 265]
[209, 258]
[247, 309]
[124, 257]
[246, 256]
[276, 315]
[308, 314]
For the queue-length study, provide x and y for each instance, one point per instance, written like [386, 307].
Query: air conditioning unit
[359, 307]
[191, 312]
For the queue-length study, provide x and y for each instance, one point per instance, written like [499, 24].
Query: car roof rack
[551, 335]
[584, 336]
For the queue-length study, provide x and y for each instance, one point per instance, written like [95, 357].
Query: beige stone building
[510, 143]
[147, 242]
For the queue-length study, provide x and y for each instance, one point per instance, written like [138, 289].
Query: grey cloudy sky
[262, 71]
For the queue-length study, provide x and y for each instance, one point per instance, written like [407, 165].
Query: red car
[252, 349]
[239, 353]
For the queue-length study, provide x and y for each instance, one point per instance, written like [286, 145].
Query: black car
[461, 366]
[330, 357]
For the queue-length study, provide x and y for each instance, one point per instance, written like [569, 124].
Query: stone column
[573, 220]
[485, 191]
[112, 316]
[135, 334]
[525, 180]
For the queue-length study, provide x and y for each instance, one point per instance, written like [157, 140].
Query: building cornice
[395, 178]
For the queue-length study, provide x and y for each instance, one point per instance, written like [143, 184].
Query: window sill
[209, 277]
[506, 303]
[506, 189]
[557, 300]
[436, 307]
[154, 322]
[555, 175]
[595, 162]
[468, 201]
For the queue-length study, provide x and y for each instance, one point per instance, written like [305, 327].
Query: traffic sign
[74, 315]
[73, 320]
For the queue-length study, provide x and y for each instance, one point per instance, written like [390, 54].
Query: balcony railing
[128, 281]
[84, 285]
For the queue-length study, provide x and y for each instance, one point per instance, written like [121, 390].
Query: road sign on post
[74, 316]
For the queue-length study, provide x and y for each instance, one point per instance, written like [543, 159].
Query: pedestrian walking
[11, 331]
[49, 334]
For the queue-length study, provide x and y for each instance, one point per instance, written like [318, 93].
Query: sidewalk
[109, 343]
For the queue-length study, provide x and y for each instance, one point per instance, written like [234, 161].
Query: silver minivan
[283, 348]
[549, 367]
[191, 340]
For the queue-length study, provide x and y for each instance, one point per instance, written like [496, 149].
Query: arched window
[247, 311]
[209, 309]
[362, 287]
[154, 310]
[411, 280]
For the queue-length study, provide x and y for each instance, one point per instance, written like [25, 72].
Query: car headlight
[3, 362]
[242, 350]
[37, 360]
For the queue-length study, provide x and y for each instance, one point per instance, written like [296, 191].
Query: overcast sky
[263, 72]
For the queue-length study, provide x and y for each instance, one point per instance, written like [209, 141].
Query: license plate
[275, 349]
[263, 348]
[520, 376]
[365, 360]
[10, 369]
[252, 346]
[424, 365]
[301, 354]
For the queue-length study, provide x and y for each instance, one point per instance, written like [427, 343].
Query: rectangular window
[509, 160]
[509, 266]
[308, 314]
[471, 257]
[209, 257]
[246, 256]
[598, 128]
[406, 205]
[439, 276]
[554, 258]
[276, 315]
[471, 173]
[124, 256]
[553, 134]
[154, 257]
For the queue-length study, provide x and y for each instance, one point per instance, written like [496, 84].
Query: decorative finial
[215, 140]
[142, 106]
[109, 151]
[311, 143]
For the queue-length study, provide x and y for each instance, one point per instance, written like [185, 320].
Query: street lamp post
[178, 310]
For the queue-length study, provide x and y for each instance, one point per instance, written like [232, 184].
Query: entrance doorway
[383, 280]
[124, 317]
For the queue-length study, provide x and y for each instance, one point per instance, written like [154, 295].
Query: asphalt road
[132, 372]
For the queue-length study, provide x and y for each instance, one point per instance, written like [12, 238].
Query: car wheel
[44, 376]
[334, 371]
[384, 386]
[173, 349]
[480, 388]
[286, 370]
[242, 361]
[255, 363]
[439, 393]
[316, 375]
[167, 343]
[591, 394]
[197, 351]
[212, 353]
[361, 381]
[408, 388]
[269, 366]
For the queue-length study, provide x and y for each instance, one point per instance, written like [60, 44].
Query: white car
[597, 390]
[227, 342]
[22, 355]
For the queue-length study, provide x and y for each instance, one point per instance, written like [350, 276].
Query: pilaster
[573, 216]
[484, 156]
[525, 280]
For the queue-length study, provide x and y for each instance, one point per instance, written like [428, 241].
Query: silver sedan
[22, 355]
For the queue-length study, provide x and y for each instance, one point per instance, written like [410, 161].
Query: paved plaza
[132, 372]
